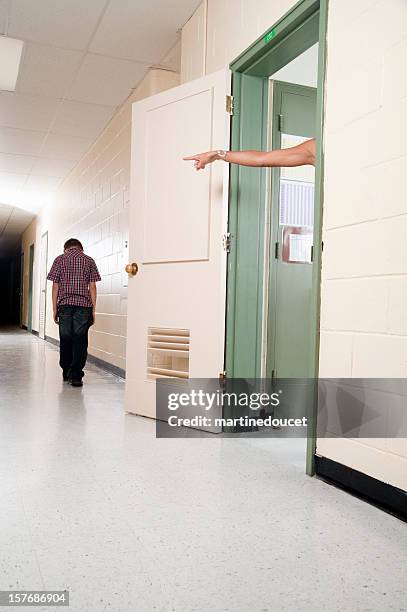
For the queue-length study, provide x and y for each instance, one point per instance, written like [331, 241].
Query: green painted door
[290, 321]
[30, 289]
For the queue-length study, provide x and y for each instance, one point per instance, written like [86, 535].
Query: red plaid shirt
[73, 271]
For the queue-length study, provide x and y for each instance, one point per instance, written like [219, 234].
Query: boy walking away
[74, 277]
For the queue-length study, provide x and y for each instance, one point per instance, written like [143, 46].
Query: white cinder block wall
[92, 204]
[364, 273]
[364, 280]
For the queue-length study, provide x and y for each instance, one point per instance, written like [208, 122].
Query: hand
[56, 318]
[93, 317]
[202, 159]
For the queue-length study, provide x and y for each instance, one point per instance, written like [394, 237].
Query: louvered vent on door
[167, 353]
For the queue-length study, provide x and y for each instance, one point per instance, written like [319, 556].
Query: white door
[43, 284]
[176, 301]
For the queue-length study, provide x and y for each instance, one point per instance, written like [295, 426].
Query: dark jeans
[74, 323]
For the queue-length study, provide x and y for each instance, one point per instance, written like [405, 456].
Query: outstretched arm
[301, 155]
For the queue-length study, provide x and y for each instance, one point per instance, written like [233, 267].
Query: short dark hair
[73, 242]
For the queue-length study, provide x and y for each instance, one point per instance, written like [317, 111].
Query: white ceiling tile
[5, 210]
[65, 147]
[4, 5]
[47, 71]
[81, 119]
[62, 23]
[103, 80]
[14, 181]
[20, 142]
[51, 167]
[142, 31]
[26, 112]
[42, 183]
[5, 213]
[19, 164]
[10, 186]
[18, 221]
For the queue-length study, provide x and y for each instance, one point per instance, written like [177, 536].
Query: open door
[290, 323]
[178, 218]
[43, 284]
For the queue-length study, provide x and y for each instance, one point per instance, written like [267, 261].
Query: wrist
[220, 154]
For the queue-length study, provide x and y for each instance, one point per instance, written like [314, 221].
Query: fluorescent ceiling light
[10, 57]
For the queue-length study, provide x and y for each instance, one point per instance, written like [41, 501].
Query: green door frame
[30, 289]
[304, 25]
[21, 289]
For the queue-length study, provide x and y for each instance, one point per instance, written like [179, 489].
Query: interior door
[290, 313]
[176, 300]
[43, 284]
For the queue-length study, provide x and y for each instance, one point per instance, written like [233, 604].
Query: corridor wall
[364, 271]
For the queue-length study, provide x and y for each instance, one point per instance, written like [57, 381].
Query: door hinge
[273, 377]
[226, 241]
[312, 253]
[277, 250]
[222, 378]
[230, 104]
[280, 122]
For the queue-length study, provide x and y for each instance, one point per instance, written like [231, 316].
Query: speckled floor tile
[92, 501]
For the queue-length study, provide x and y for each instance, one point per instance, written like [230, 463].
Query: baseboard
[104, 365]
[109, 367]
[383, 495]
[33, 331]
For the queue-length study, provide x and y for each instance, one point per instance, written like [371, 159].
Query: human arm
[55, 289]
[54, 275]
[93, 297]
[300, 155]
[94, 277]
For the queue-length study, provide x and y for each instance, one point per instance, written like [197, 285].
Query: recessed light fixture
[10, 53]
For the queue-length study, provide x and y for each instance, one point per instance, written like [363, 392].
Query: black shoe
[76, 383]
[66, 375]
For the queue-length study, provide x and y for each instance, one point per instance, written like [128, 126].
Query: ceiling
[13, 221]
[303, 70]
[81, 59]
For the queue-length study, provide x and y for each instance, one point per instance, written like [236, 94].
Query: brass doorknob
[131, 269]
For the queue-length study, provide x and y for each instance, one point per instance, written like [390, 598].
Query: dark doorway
[10, 282]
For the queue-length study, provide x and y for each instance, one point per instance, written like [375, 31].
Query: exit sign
[270, 35]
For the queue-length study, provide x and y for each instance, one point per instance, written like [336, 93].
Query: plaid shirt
[73, 271]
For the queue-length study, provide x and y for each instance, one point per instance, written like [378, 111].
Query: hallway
[94, 503]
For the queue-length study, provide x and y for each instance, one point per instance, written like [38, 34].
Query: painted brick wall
[364, 276]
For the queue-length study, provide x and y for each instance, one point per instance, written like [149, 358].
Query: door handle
[273, 378]
[131, 269]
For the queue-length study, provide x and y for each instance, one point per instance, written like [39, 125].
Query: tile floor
[92, 502]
